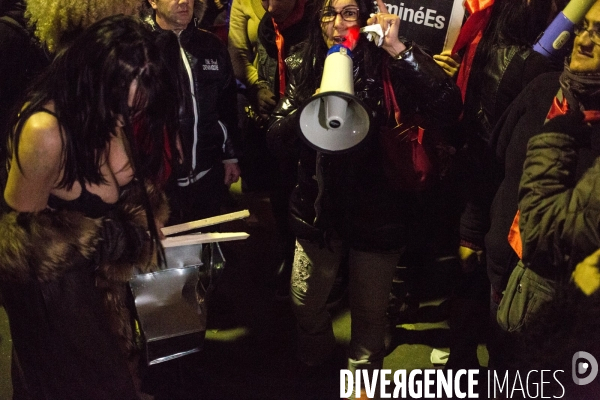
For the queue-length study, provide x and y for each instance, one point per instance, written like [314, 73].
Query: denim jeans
[370, 283]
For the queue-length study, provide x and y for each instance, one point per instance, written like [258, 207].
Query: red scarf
[280, 58]
[469, 37]
[560, 106]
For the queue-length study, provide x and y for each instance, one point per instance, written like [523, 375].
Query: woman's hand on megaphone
[390, 23]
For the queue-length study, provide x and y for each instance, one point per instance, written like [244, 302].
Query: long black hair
[89, 83]
[315, 49]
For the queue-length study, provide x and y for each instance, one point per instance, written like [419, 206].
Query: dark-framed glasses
[349, 14]
[593, 33]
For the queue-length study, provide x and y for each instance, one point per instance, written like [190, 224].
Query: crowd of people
[119, 118]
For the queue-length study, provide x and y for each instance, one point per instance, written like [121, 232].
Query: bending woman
[347, 200]
[75, 212]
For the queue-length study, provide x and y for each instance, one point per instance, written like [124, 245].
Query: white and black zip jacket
[208, 108]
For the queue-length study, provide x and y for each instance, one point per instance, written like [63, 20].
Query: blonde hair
[52, 18]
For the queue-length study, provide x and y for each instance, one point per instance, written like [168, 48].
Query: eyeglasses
[594, 34]
[349, 14]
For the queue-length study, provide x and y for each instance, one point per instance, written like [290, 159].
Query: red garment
[469, 37]
[407, 165]
[514, 236]
[560, 107]
[279, 41]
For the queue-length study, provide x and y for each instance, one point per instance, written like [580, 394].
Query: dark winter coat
[293, 35]
[559, 197]
[522, 120]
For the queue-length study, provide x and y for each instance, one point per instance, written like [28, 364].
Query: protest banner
[433, 24]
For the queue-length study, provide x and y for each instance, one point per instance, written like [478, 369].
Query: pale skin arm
[391, 42]
[40, 152]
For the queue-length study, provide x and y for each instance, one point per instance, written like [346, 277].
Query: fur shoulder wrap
[45, 244]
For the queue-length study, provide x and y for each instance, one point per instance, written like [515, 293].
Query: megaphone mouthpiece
[335, 111]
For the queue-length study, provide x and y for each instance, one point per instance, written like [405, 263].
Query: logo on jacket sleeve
[210, 65]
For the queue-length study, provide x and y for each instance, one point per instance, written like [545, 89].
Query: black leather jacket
[347, 194]
[208, 110]
[489, 93]
[267, 50]
[500, 82]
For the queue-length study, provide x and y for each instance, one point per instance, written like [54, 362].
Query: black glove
[266, 102]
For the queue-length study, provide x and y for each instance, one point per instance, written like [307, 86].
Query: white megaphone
[335, 120]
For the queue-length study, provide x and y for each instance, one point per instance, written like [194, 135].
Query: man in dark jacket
[208, 112]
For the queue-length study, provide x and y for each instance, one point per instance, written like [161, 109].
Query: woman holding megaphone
[345, 198]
